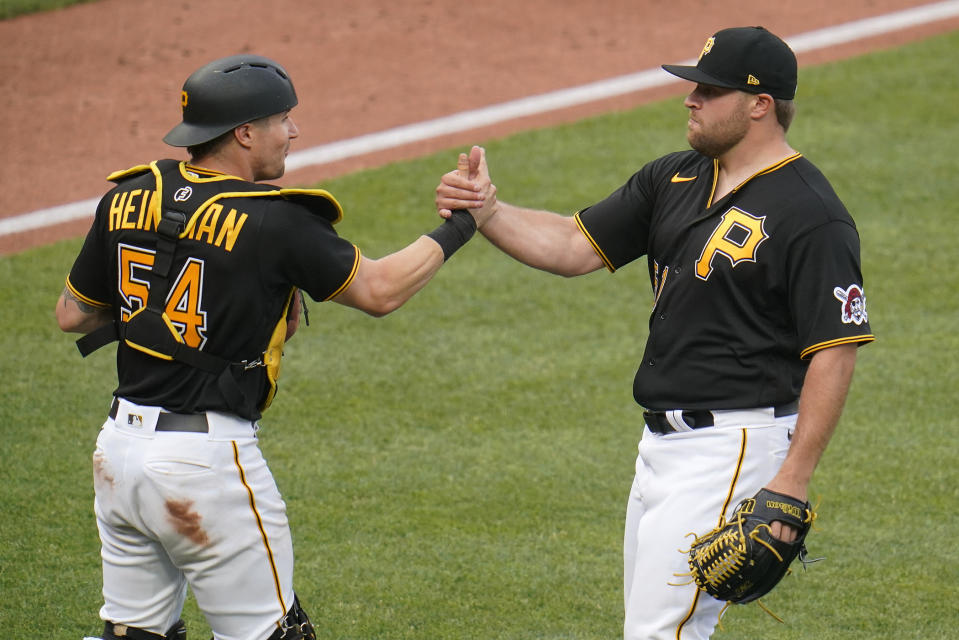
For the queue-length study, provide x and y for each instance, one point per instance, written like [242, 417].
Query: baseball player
[196, 269]
[757, 312]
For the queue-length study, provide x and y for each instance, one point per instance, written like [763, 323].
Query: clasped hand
[468, 187]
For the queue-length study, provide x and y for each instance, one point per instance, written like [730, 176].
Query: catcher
[196, 267]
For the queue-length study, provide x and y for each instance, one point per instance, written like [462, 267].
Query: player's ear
[762, 105]
[244, 134]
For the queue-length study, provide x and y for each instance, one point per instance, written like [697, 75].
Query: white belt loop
[226, 426]
[737, 418]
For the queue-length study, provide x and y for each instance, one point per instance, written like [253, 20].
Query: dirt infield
[93, 88]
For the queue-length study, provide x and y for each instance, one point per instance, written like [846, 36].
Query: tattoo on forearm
[83, 306]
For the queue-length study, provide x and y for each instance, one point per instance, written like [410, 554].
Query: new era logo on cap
[746, 58]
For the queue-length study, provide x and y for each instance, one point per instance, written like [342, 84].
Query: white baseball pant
[683, 482]
[199, 509]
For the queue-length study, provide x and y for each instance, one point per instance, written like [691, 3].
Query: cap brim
[187, 135]
[694, 74]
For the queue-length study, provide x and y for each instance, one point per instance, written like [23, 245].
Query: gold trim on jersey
[84, 299]
[117, 176]
[774, 167]
[589, 238]
[769, 169]
[193, 173]
[322, 193]
[349, 279]
[808, 351]
[712, 188]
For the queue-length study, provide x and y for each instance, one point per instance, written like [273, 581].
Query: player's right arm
[75, 315]
[541, 239]
[383, 285]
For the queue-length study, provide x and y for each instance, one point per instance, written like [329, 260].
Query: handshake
[469, 188]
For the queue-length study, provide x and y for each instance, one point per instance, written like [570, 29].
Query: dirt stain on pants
[185, 521]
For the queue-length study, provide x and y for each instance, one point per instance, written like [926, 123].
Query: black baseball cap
[750, 59]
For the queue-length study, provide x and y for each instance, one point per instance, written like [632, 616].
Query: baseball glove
[740, 560]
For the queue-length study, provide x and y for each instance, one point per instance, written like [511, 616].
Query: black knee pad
[295, 625]
[113, 631]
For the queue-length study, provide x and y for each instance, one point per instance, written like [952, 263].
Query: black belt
[190, 422]
[697, 419]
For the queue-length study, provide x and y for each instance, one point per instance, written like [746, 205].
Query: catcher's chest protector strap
[100, 337]
[168, 232]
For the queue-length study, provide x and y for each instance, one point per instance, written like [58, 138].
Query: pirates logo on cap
[707, 47]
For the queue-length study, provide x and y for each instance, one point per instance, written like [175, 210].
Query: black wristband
[454, 232]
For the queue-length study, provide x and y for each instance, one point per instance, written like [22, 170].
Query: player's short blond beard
[723, 135]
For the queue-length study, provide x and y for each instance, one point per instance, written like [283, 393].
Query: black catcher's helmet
[229, 92]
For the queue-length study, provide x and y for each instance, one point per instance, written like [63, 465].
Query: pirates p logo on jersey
[737, 237]
[853, 304]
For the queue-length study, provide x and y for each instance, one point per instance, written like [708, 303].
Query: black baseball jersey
[243, 250]
[745, 289]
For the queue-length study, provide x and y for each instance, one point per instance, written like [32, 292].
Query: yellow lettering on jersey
[207, 224]
[116, 210]
[231, 229]
[131, 207]
[144, 208]
[184, 307]
[737, 236]
[153, 213]
[134, 263]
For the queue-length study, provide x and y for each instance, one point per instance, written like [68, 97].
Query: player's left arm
[820, 405]
[78, 316]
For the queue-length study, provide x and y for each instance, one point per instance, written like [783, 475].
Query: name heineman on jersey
[137, 209]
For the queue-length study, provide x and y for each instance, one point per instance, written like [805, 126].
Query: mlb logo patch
[133, 420]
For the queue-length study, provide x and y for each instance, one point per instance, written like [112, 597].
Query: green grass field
[14, 8]
[459, 469]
